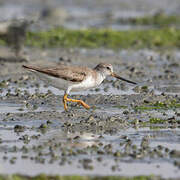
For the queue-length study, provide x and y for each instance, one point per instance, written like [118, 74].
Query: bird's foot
[82, 103]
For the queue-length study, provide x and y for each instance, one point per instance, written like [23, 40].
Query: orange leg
[65, 102]
[66, 99]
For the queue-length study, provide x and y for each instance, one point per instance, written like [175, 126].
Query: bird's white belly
[88, 83]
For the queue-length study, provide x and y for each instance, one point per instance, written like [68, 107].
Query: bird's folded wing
[73, 74]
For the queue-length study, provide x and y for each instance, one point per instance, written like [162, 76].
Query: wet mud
[129, 130]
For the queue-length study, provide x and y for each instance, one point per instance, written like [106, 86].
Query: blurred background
[18, 17]
[78, 14]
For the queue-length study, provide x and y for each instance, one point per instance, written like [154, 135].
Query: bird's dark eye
[108, 68]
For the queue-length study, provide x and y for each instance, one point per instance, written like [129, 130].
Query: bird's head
[107, 70]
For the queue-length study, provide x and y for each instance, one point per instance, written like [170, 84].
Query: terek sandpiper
[75, 78]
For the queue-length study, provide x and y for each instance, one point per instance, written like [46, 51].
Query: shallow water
[162, 166]
[128, 131]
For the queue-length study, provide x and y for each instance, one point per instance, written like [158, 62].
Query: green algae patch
[145, 108]
[111, 39]
[169, 104]
[120, 107]
[104, 38]
[157, 121]
[44, 177]
[2, 42]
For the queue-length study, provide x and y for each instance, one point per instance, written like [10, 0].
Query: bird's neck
[101, 74]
